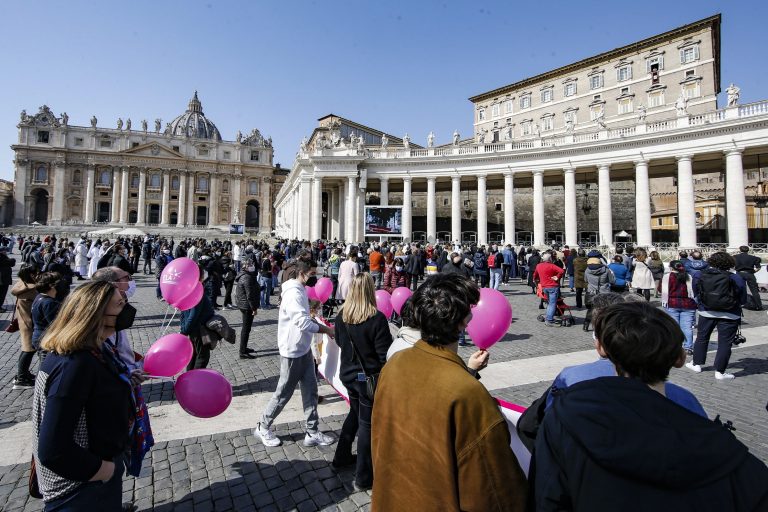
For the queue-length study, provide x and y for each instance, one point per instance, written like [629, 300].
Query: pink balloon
[311, 293]
[178, 279]
[491, 318]
[168, 356]
[399, 296]
[203, 393]
[191, 300]
[384, 303]
[324, 289]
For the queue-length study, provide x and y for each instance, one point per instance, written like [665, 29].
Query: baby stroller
[563, 315]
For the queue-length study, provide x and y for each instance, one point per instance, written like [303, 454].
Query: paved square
[217, 464]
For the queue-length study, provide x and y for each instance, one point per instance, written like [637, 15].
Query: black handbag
[371, 379]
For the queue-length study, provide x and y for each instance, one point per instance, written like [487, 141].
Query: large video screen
[383, 220]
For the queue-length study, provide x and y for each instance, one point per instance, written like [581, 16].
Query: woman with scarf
[83, 411]
[677, 300]
[396, 276]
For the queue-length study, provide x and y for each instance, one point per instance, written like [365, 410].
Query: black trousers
[201, 353]
[579, 294]
[726, 330]
[245, 330]
[4, 292]
[228, 292]
[357, 423]
[754, 290]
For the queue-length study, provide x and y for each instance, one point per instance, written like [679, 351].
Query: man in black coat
[6, 275]
[747, 266]
[247, 298]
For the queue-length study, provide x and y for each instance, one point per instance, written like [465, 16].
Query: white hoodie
[295, 327]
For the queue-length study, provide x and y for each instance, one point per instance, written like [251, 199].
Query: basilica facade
[180, 175]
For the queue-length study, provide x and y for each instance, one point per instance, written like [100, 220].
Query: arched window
[225, 186]
[253, 188]
[104, 177]
[41, 174]
[77, 177]
[154, 181]
[175, 184]
[134, 180]
[202, 183]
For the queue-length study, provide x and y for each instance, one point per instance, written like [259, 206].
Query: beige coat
[25, 294]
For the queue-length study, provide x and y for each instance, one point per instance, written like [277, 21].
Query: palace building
[597, 152]
[184, 175]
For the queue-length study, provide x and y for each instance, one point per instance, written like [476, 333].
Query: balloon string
[173, 316]
[165, 317]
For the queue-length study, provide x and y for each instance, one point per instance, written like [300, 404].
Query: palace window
[495, 110]
[525, 127]
[77, 177]
[225, 186]
[571, 115]
[689, 54]
[202, 152]
[154, 181]
[569, 89]
[498, 207]
[227, 155]
[546, 95]
[254, 156]
[508, 106]
[481, 114]
[41, 174]
[596, 81]
[624, 73]
[175, 183]
[176, 149]
[692, 90]
[657, 60]
[525, 101]
[655, 99]
[595, 111]
[134, 144]
[105, 177]
[105, 143]
[78, 141]
[548, 123]
[42, 136]
[625, 106]
[134, 180]
[202, 183]
[253, 188]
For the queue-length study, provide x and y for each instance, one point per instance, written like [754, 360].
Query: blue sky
[278, 66]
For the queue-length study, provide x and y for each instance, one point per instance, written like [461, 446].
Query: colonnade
[346, 203]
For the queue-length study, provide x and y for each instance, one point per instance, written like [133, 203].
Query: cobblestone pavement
[234, 471]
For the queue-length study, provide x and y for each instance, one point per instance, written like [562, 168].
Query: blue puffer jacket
[693, 267]
[620, 272]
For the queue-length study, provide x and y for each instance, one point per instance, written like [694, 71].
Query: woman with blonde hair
[363, 335]
[642, 278]
[82, 410]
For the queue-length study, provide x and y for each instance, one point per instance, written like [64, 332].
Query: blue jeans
[266, 290]
[552, 293]
[93, 495]
[684, 318]
[496, 274]
[570, 281]
[237, 266]
[376, 276]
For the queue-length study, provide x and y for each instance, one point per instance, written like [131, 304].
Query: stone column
[431, 211]
[165, 213]
[317, 208]
[604, 211]
[482, 211]
[351, 205]
[23, 172]
[407, 225]
[213, 200]
[642, 204]
[191, 220]
[90, 184]
[538, 209]
[265, 215]
[57, 219]
[341, 207]
[236, 191]
[570, 207]
[296, 213]
[333, 214]
[141, 211]
[509, 208]
[686, 206]
[123, 195]
[304, 219]
[455, 209]
[360, 220]
[384, 194]
[735, 202]
[182, 209]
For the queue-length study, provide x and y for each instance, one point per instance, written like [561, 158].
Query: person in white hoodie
[295, 329]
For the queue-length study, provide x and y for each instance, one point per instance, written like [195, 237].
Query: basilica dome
[193, 123]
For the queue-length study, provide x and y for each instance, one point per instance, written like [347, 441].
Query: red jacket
[548, 274]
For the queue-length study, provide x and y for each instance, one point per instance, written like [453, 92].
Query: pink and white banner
[329, 369]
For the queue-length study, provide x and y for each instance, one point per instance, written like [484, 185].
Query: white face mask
[399, 269]
[250, 268]
[166, 251]
[131, 289]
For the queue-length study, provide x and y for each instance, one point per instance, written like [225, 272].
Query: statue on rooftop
[733, 95]
[431, 140]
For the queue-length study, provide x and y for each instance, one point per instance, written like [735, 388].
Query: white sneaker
[694, 367]
[724, 376]
[318, 438]
[267, 437]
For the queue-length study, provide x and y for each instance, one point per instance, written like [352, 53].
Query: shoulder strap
[357, 354]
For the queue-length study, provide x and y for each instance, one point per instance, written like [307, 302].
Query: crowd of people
[606, 435]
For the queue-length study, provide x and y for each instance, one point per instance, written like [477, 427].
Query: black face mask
[124, 320]
[311, 281]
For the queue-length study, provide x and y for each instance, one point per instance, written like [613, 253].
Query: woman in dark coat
[191, 322]
[534, 260]
[119, 259]
[6, 275]
[247, 297]
[396, 276]
[579, 267]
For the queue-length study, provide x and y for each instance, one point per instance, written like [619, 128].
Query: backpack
[334, 266]
[491, 261]
[716, 291]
